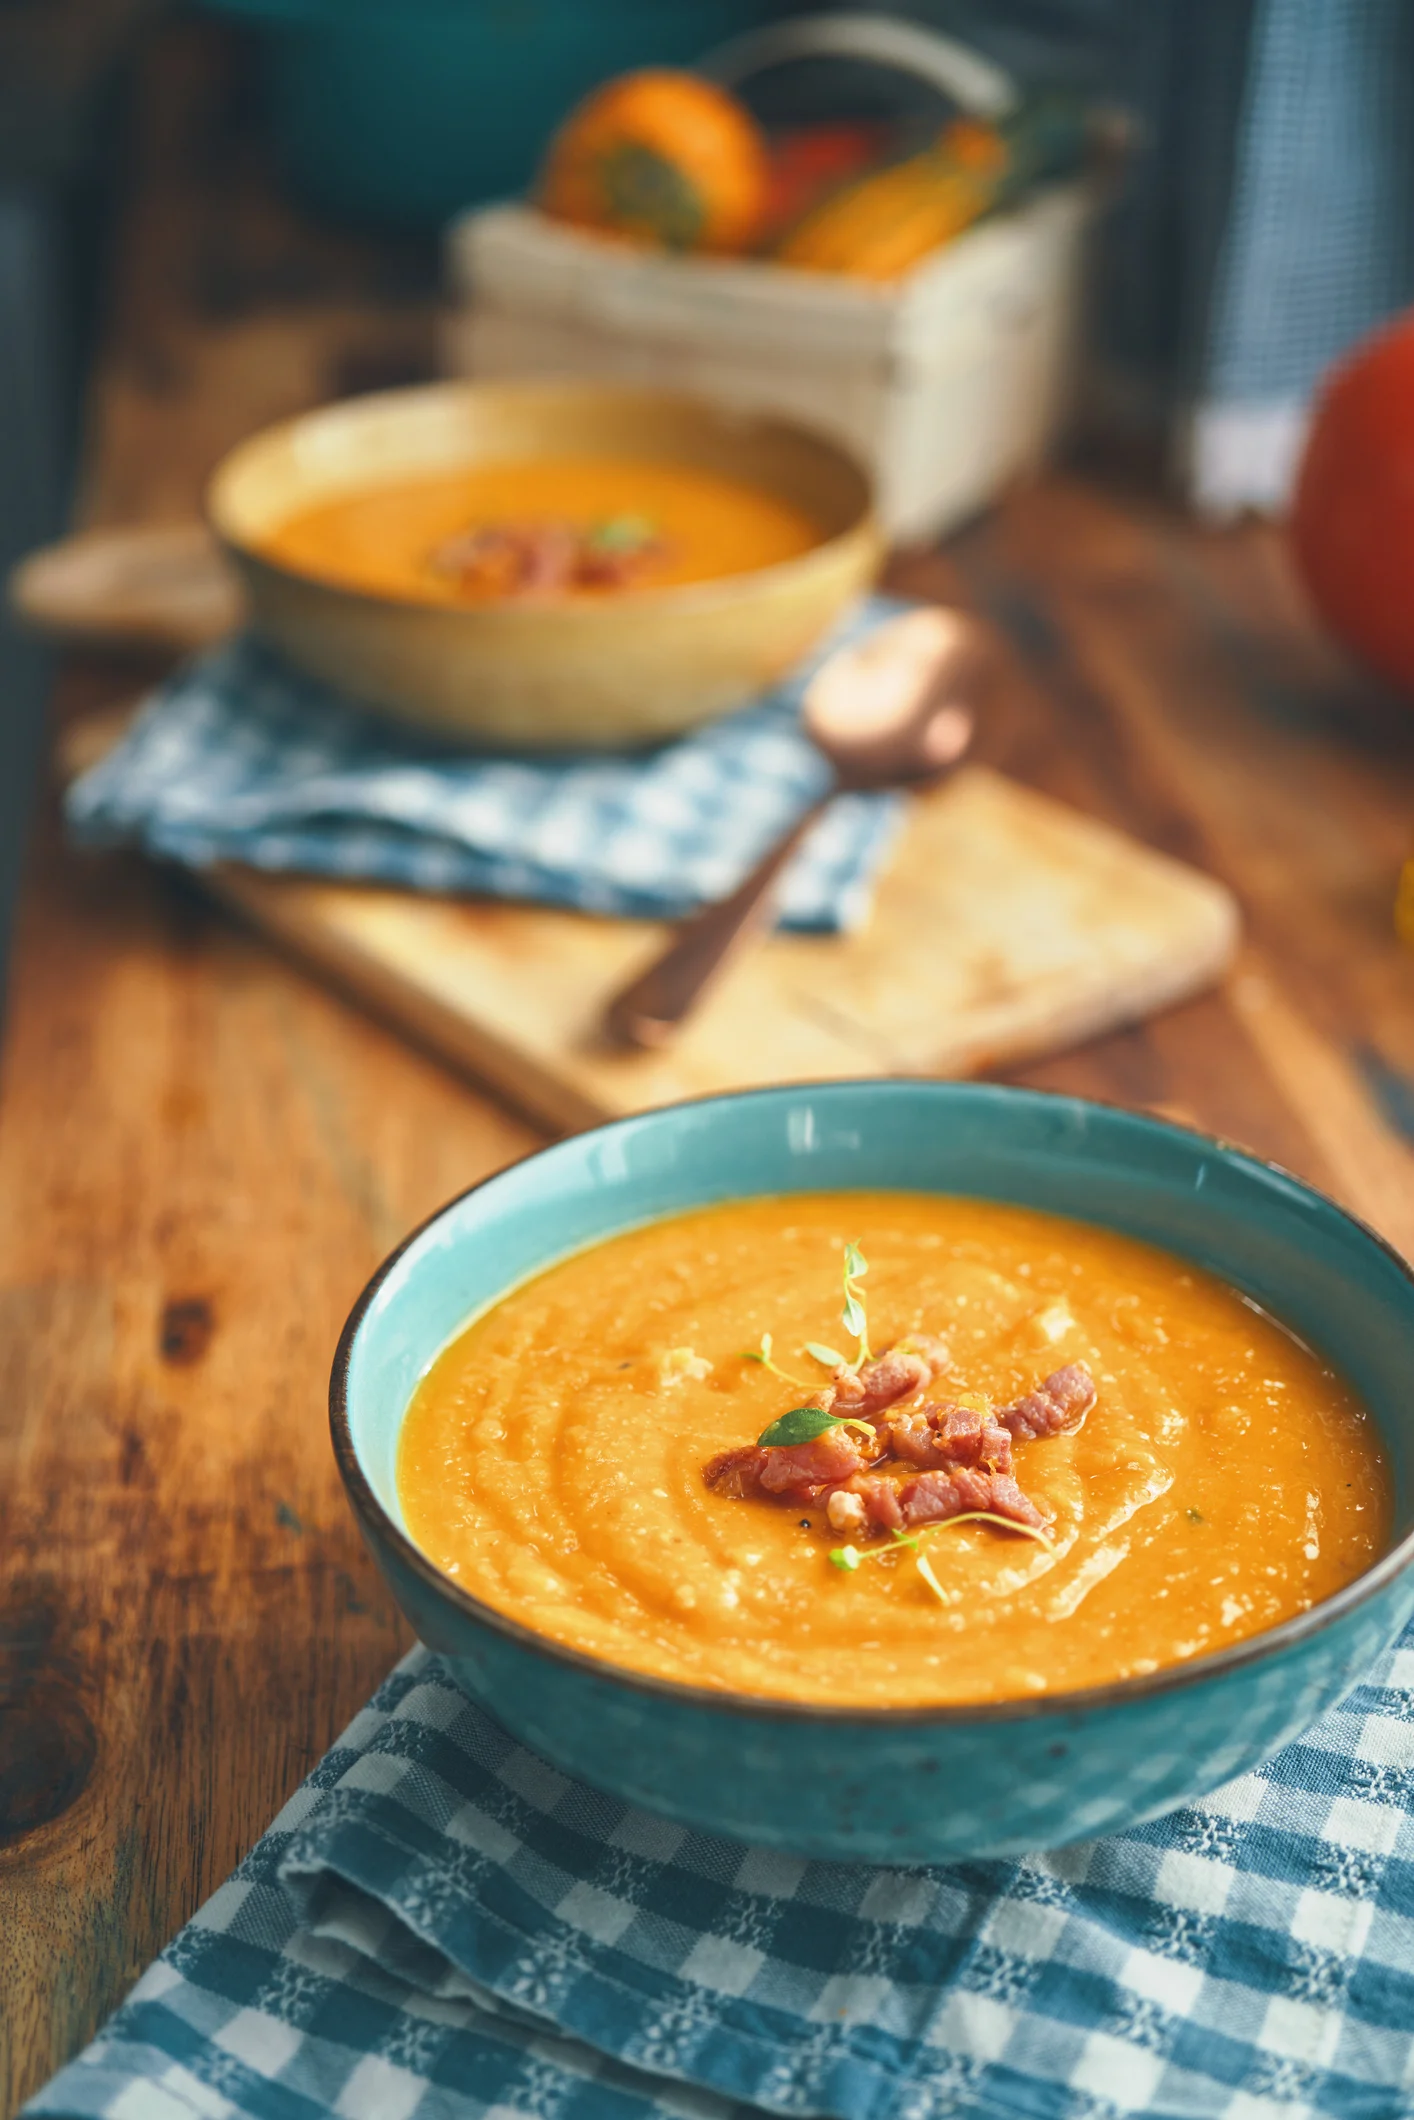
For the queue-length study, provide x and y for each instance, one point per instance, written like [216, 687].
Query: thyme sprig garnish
[855, 1321]
[794, 1427]
[763, 1356]
[855, 1265]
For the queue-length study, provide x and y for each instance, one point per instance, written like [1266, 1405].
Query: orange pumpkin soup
[542, 527]
[886, 1450]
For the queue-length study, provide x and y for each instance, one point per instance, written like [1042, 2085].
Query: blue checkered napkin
[441, 1927]
[239, 758]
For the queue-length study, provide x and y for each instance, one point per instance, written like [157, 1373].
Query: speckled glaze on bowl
[908, 1785]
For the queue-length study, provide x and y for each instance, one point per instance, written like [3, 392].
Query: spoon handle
[650, 1008]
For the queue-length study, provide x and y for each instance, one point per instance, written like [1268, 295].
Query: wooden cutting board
[1004, 926]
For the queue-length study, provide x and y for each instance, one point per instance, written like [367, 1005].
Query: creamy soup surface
[553, 1460]
[545, 526]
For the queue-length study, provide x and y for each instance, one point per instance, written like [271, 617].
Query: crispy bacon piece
[736, 1472]
[945, 1436]
[797, 1472]
[933, 1347]
[896, 1374]
[933, 1497]
[801, 1469]
[968, 1438]
[957, 1460]
[546, 558]
[867, 1505]
[1053, 1405]
[872, 1503]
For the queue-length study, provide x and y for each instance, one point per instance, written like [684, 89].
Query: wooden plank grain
[202, 1156]
[1178, 685]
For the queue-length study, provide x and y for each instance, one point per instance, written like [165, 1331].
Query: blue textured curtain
[1268, 220]
[1318, 239]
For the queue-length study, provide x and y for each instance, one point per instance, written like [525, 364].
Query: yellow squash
[880, 225]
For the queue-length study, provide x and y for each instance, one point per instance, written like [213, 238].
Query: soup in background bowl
[545, 565]
[1182, 1556]
[542, 530]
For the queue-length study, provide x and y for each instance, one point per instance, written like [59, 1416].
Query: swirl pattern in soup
[1193, 1473]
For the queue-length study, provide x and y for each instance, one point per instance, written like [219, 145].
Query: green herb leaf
[1195, 1516]
[801, 1425]
[827, 1355]
[846, 1557]
[621, 533]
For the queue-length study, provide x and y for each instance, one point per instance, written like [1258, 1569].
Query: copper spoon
[888, 711]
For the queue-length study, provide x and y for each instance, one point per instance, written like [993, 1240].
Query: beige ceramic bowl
[623, 670]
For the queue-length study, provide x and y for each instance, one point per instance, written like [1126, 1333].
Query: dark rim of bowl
[689, 596]
[1254, 1648]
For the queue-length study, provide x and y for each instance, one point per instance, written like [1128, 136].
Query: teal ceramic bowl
[907, 1785]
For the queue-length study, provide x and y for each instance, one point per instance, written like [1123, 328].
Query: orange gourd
[660, 158]
[1352, 523]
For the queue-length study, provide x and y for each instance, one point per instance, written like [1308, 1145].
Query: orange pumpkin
[1352, 523]
[660, 158]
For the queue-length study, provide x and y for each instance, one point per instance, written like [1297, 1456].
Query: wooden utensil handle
[649, 1009]
[162, 586]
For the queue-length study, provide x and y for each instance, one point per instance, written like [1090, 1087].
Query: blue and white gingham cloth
[439, 1926]
[239, 758]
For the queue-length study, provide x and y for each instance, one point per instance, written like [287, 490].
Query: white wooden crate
[948, 382]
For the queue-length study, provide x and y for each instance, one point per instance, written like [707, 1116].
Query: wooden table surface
[203, 1154]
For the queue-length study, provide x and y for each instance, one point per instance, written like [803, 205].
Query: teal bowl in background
[894, 1785]
[400, 112]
